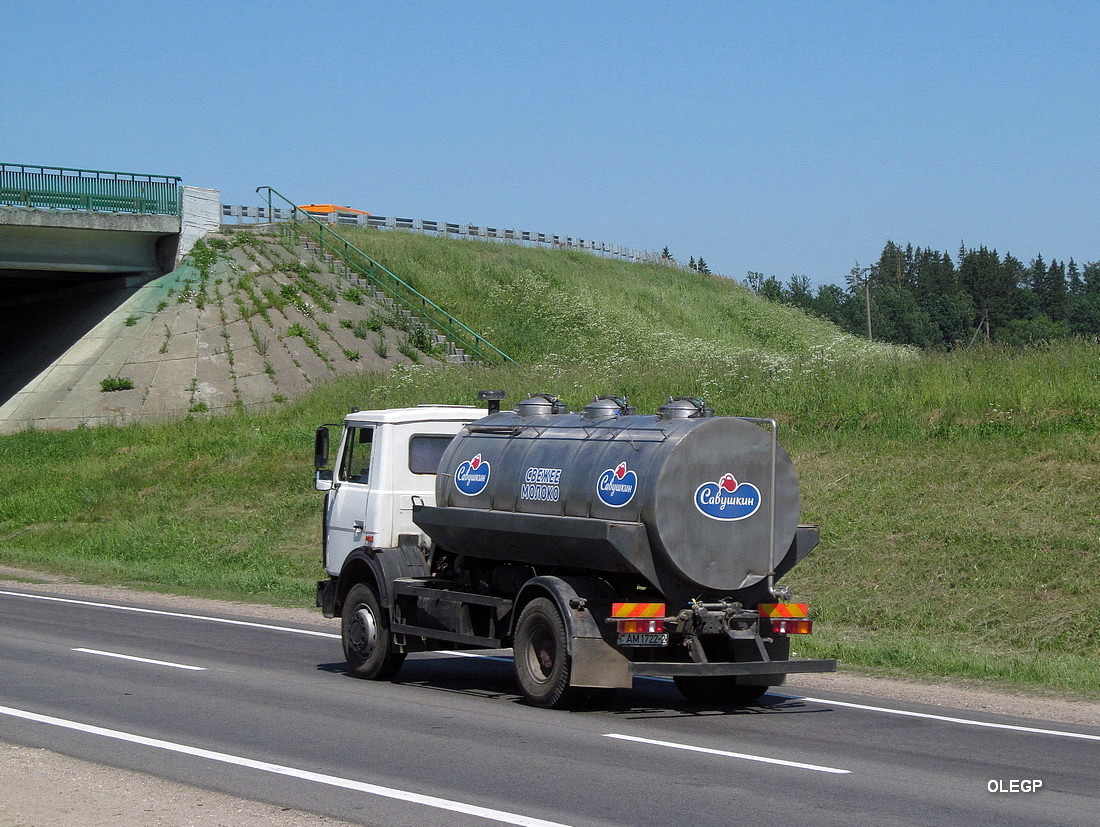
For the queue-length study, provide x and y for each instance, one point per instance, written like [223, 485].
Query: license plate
[646, 639]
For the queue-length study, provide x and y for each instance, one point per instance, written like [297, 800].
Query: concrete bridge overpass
[76, 244]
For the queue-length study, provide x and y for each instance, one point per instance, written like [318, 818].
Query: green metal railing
[386, 282]
[88, 189]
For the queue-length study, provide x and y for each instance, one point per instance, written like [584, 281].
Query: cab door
[348, 507]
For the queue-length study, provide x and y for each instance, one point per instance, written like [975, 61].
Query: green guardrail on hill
[93, 190]
[407, 296]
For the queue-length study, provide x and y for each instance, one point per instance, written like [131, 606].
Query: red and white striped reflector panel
[637, 609]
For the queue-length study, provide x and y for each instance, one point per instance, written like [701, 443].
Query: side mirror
[322, 480]
[320, 449]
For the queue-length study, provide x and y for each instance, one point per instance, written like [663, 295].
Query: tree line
[918, 296]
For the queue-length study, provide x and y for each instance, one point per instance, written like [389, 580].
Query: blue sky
[782, 137]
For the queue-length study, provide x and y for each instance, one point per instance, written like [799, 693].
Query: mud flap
[597, 664]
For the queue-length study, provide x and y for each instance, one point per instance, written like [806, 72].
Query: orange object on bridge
[328, 209]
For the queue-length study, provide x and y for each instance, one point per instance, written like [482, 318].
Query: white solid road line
[727, 754]
[141, 660]
[278, 769]
[947, 718]
[183, 615]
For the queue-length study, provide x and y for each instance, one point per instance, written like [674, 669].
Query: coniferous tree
[1036, 275]
[1091, 277]
[1024, 305]
[991, 285]
[1084, 308]
[701, 266]
[939, 292]
[1052, 300]
[1074, 284]
[890, 268]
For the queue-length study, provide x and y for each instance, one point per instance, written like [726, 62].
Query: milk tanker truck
[600, 546]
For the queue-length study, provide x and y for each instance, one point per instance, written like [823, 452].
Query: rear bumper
[700, 670]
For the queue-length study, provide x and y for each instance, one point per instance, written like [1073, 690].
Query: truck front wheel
[365, 631]
[541, 654]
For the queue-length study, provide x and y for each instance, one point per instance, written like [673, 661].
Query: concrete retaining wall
[202, 211]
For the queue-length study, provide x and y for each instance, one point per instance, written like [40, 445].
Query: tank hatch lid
[605, 407]
[685, 407]
[541, 404]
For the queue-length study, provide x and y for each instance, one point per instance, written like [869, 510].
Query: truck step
[442, 590]
[449, 637]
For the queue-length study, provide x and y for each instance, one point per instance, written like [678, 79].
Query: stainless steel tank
[689, 500]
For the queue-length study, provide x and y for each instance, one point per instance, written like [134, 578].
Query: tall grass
[570, 306]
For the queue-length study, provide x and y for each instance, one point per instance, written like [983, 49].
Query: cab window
[425, 452]
[355, 462]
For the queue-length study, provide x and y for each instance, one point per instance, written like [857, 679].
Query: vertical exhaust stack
[493, 398]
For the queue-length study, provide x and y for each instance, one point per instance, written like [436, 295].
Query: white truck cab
[384, 460]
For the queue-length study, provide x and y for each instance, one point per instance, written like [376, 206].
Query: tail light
[786, 618]
[628, 626]
[791, 626]
[639, 618]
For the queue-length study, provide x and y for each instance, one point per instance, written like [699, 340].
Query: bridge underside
[62, 272]
[44, 241]
[41, 324]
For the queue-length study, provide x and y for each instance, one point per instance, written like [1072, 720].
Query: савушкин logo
[472, 476]
[616, 486]
[727, 499]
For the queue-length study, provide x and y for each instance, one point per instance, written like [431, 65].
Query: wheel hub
[363, 631]
[541, 655]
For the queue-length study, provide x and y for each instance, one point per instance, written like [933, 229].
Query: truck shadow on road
[493, 679]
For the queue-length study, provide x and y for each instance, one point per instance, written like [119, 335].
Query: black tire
[722, 689]
[365, 632]
[541, 655]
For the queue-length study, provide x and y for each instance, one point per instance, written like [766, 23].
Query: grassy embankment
[957, 493]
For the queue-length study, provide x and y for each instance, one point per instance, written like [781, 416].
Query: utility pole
[867, 298]
[861, 274]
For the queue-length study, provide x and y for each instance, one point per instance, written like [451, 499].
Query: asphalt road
[262, 710]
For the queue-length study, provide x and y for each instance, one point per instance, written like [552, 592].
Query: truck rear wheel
[541, 654]
[723, 689]
[365, 632]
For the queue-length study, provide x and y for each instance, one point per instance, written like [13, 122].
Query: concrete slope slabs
[248, 320]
